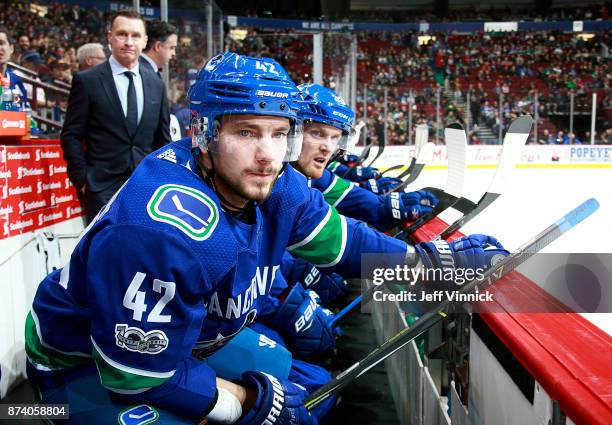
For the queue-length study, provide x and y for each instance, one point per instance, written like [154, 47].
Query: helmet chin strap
[209, 178]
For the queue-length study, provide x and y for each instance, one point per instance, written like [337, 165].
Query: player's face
[320, 143]
[6, 49]
[248, 156]
[127, 37]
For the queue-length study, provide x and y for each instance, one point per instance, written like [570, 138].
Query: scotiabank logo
[60, 199]
[25, 172]
[6, 210]
[46, 154]
[40, 186]
[70, 211]
[13, 123]
[31, 206]
[53, 169]
[45, 218]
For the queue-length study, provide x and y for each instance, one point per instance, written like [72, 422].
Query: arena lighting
[586, 36]
[238, 34]
[185, 41]
[424, 39]
[39, 9]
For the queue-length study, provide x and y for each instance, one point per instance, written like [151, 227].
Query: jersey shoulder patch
[191, 211]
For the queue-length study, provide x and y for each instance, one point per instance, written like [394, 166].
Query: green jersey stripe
[124, 378]
[333, 165]
[44, 356]
[325, 246]
[337, 191]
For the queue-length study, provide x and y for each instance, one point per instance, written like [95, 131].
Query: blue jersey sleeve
[354, 201]
[147, 292]
[328, 240]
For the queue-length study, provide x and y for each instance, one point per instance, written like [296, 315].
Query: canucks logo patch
[192, 211]
[138, 415]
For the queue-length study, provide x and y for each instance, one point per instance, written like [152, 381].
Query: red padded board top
[567, 355]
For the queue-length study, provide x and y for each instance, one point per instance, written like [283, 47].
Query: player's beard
[248, 188]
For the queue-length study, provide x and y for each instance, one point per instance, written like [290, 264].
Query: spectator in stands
[573, 139]
[109, 128]
[561, 138]
[60, 71]
[546, 138]
[23, 45]
[90, 55]
[32, 61]
[161, 45]
[6, 51]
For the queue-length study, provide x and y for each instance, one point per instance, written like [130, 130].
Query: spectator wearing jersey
[6, 51]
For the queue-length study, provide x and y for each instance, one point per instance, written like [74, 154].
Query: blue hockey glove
[331, 288]
[305, 324]
[411, 205]
[279, 401]
[359, 174]
[469, 252]
[347, 159]
[382, 185]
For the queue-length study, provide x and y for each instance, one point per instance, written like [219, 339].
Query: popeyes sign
[12, 123]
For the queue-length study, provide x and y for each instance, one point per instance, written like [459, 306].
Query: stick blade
[521, 125]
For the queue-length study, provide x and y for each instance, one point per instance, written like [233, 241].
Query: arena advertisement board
[35, 189]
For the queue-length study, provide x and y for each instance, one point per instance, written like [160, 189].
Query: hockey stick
[456, 145]
[424, 155]
[433, 316]
[366, 148]
[381, 149]
[395, 167]
[420, 140]
[514, 140]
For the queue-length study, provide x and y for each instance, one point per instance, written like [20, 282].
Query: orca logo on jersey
[188, 209]
[139, 341]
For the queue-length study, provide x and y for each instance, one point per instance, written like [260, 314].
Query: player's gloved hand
[411, 205]
[348, 159]
[331, 288]
[358, 174]
[305, 324]
[469, 252]
[279, 401]
[381, 185]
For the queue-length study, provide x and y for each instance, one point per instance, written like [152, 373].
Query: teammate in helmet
[181, 260]
[327, 128]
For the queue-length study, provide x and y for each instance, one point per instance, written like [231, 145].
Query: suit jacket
[97, 146]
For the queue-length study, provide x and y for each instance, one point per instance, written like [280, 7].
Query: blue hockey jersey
[354, 201]
[164, 276]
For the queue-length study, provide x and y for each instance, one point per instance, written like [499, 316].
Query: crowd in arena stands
[518, 65]
[476, 13]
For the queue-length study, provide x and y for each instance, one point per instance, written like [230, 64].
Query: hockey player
[327, 128]
[181, 259]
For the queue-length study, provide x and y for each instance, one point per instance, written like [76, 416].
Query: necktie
[132, 106]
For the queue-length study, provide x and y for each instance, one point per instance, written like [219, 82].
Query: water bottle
[7, 96]
[28, 111]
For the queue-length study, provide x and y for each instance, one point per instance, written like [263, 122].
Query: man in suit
[117, 114]
[161, 45]
[160, 49]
